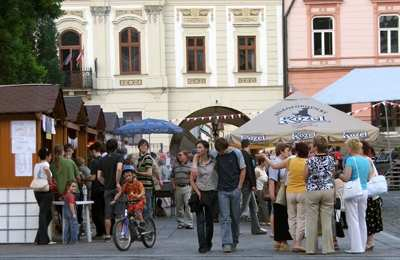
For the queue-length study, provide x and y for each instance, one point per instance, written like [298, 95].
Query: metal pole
[285, 39]
[149, 142]
[387, 134]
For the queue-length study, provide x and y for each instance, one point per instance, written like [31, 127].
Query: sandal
[284, 247]
[298, 250]
[277, 246]
[369, 248]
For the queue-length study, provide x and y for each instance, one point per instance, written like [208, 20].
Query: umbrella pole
[149, 142]
[387, 134]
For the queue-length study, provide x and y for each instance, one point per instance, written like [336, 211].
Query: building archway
[214, 115]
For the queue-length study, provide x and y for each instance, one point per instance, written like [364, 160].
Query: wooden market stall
[95, 130]
[76, 123]
[26, 111]
[28, 115]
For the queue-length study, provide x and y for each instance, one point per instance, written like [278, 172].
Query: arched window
[69, 51]
[129, 42]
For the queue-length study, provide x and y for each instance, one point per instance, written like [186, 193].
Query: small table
[85, 204]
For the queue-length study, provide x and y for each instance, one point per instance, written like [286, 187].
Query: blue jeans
[229, 209]
[148, 208]
[71, 229]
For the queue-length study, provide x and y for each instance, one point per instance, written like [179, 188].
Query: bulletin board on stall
[19, 142]
[23, 145]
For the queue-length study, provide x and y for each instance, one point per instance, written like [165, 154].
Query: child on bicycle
[135, 193]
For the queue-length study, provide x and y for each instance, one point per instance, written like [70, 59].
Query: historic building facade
[328, 38]
[168, 59]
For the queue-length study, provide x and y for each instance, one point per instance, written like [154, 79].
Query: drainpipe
[285, 47]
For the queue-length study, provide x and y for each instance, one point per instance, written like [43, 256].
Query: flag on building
[68, 59]
[80, 57]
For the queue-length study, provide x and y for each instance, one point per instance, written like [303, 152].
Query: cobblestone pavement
[182, 244]
[391, 213]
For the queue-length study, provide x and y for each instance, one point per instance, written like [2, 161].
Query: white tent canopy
[300, 118]
[363, 86]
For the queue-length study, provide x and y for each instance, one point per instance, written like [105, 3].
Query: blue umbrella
[149, 126]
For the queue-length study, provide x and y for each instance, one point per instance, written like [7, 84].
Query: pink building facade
[328, 38]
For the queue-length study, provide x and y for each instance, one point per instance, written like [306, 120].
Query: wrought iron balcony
[78, 79]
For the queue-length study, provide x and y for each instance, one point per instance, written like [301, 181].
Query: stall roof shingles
[74, 106]
[93, 114]
[28, 98]
[112, 121]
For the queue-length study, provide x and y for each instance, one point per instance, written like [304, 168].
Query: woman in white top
[261, 180]
[43, 198]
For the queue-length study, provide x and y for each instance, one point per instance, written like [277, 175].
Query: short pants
[136, 207]
[111, 211]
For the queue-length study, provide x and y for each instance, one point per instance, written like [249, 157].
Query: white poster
[23, 137]
[23, 145]
[23, 164]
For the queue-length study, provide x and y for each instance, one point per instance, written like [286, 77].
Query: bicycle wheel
[149, 234]
[122, 235]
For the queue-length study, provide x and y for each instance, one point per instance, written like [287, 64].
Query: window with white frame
[322, 33]
[389, 34]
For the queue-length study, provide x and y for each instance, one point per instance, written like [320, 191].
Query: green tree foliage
[20, 40]
[46, 46]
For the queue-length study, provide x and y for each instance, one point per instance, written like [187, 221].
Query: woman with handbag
[295, 190]
[374, 203]
[204, 181]
[356, 174]
[261, 183]
[277, 192]
[319, 196]
[44, 197]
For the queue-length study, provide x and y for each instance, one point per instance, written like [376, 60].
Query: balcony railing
[78, 79]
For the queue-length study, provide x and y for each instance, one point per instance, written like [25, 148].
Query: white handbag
[39, 184]
[377, 184]
[352, 189]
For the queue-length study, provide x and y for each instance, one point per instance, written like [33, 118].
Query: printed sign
[355, 134]
[300, 115]
[23, 137]
[303, 135]
[255, 138]
[23, 164]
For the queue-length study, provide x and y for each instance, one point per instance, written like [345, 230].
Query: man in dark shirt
[231, 171]
[97, 190]
[109, 174]
[249, 186]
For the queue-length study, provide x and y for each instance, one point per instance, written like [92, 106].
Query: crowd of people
[297, 190]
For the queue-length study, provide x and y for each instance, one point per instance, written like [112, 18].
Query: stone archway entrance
[214, 116]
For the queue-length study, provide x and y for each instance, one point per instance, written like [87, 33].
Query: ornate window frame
[324, 8]
[322, 31]
[383, 7]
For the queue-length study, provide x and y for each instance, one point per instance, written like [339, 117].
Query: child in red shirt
[135, 193]
[70, 231]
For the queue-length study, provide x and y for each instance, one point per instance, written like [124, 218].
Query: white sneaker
[353, 252]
